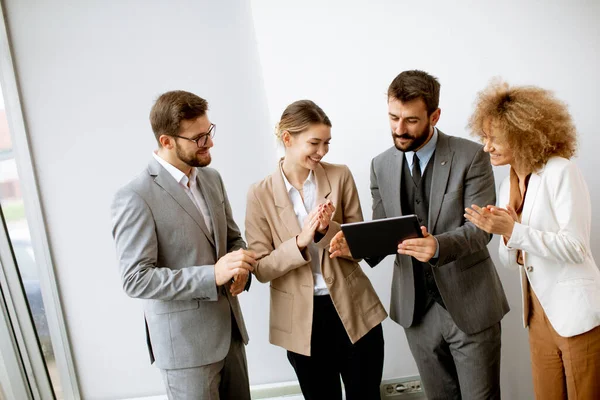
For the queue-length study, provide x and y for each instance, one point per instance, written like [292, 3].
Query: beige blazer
[271, 230]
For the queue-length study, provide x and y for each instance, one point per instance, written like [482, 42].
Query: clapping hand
[311, 223]
[325, 212]
[492, 219]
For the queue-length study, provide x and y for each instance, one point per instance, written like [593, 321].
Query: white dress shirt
[302, 208]
[190, 186]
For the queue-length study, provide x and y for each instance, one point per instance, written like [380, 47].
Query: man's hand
[338, 246]
[235, 263]
[493, 219]
[423, 249]
[239, 283]
[325, 212]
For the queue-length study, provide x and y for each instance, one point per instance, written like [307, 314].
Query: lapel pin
[443, 162]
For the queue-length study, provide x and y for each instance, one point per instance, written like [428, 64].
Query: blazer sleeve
[570, 202]
[507, 256]
[134, 232]
[378, 210]
[272, 262]
[351, 210]
[479, 188]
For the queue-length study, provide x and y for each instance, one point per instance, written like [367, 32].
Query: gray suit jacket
[464, 272]
[167, 256]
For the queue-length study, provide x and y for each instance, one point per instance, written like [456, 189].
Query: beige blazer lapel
[284, 205]
[323, 185]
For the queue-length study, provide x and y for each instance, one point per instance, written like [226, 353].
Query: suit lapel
[166, 181]
[323, 185]
[395, 173]
[532, 190]
[284, 205]
[441, 172]
[212, 203]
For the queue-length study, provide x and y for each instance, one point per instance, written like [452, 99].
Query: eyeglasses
[201, 139]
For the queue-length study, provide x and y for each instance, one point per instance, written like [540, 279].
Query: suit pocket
[220, 206]
[588, 288]
[166, 307]
[282, 304]
[362, 292]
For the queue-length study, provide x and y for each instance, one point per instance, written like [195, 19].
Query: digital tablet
[381, 236]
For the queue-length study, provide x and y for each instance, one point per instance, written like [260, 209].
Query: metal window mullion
[35, 219]
[21, 321]
[13, 377]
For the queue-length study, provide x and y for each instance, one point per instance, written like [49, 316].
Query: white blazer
[554, 235]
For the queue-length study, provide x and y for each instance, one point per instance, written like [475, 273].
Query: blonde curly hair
[530, 120]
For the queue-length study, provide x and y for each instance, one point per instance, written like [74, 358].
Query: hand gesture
[509, 210]
[235, 263]
[338, 246]
[492, 219]
[423, 249]
[325, 212]
[311, 222]
[239, 283]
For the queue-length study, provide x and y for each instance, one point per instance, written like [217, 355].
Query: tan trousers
[563, 368]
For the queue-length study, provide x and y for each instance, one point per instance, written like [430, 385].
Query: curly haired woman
[545, 228]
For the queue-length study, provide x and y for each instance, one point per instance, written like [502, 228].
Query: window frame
[39, 239]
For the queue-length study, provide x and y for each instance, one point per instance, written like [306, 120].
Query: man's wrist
[436, 254]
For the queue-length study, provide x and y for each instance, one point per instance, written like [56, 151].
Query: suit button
[418, 201]
[329, 280]
[530, 268]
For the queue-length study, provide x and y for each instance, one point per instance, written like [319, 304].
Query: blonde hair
[532, 122]
[299, 116]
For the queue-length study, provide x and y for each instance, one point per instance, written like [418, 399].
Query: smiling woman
[544, 217]
[324, 311]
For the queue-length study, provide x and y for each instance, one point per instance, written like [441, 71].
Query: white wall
[89, 72]
[344, 54]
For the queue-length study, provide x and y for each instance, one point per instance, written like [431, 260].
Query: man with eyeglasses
[181, 252]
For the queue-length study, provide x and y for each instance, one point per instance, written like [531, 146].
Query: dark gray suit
[166, 257]
[464, 272]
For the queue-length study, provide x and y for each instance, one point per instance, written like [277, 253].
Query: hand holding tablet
[375, 238]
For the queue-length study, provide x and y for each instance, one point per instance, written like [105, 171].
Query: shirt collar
[175, 172]
[425, 152]
[288, 185]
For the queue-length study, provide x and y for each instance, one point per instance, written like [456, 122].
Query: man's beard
[192, 160]
[417, 141]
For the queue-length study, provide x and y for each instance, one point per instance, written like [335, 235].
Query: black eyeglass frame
[202, 137]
